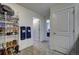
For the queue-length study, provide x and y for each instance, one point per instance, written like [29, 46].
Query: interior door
[63, 30]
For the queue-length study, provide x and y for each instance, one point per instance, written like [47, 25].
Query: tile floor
[39, 48]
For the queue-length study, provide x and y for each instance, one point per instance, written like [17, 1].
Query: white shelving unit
[10, 29]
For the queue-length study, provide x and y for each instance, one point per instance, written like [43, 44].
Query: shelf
[2, 21]
[9, 29]
[7, 25]
[8, 35]
[11, 35]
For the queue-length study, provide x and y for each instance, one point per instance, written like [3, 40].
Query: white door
[62, 36]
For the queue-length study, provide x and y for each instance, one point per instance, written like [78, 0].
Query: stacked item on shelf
[12, 25]
[15, 29]
[12, 47]
[5, 8]
[2, 28]
[9, 29]
[2, 50]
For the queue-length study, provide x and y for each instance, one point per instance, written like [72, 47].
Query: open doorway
[47, 29]
[36, 29]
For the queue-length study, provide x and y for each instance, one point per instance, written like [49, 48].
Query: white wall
[25, 19]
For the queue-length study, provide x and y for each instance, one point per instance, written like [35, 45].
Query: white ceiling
[41, 8]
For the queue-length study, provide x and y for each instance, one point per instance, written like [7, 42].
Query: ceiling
[40, 8]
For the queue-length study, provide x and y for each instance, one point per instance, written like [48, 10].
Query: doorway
[48, 29]
[36, 29]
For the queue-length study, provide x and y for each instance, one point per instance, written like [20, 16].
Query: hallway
[39, 29]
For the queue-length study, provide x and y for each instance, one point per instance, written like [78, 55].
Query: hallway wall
[25, 19]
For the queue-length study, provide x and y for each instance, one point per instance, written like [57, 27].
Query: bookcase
[9, 34]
